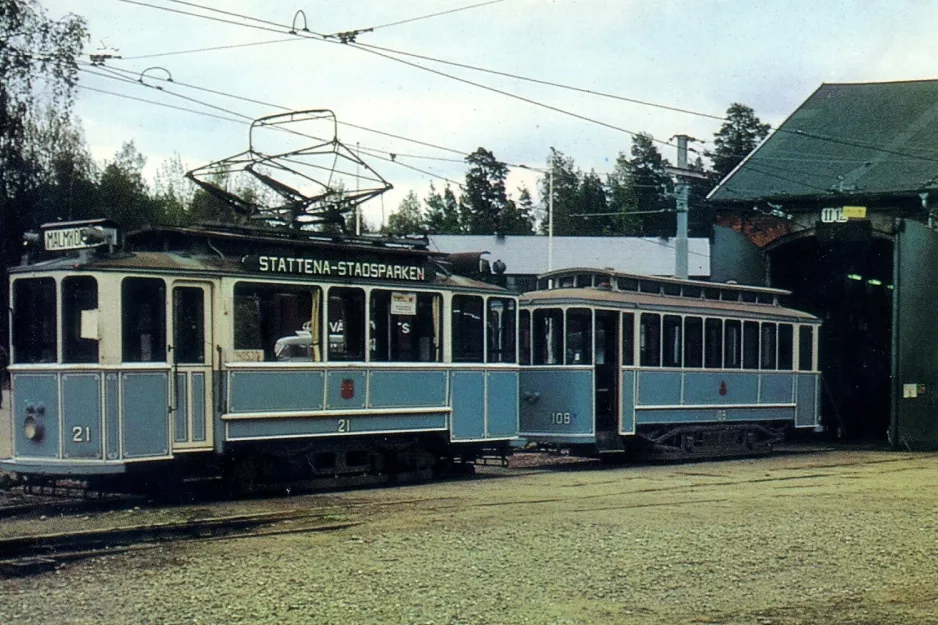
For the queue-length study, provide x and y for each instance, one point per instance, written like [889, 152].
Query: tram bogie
[614, 362]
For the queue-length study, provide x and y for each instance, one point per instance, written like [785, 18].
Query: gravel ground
[829, 538]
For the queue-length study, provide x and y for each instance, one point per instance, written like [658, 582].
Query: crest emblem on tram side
[722, 388]
[348, 389]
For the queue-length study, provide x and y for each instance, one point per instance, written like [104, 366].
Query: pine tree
[566, 185]
[738, 136]
[442, 212]
[407, 219]
[485, 203]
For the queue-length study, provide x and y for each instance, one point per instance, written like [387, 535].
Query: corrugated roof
[527, 255]
[846, 140]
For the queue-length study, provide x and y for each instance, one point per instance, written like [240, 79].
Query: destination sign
[335, 268]
[65, 239]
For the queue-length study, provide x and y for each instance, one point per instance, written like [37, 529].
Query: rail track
[35, 553]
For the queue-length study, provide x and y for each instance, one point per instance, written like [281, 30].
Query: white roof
[527, 254]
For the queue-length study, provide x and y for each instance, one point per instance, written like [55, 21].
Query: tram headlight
[33, 429]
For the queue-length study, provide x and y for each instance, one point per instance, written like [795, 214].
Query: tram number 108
[561, 418]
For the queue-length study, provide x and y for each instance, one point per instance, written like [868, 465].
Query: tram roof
[855, 140]
[614, 275]
[626, 299]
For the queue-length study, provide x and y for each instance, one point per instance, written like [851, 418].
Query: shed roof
[857, 140]
[527, 254]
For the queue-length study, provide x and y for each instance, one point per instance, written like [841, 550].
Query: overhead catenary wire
[556, 109]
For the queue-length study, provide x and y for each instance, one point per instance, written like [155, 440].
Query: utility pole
[682, 190]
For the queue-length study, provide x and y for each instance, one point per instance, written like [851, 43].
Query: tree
[442, 215]
[407, 219]
[484, 205]
[525, 213]
[592, 203]
[38, 72]
[738, 136]
[642, 191]
[566, 185]
[123, 194]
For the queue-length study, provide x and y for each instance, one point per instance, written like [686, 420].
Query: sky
[697, 55]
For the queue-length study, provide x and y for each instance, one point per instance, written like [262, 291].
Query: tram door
[191, 356]
[607, 373]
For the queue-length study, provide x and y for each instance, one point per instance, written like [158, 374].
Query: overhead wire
[380, 51]
[210, 49]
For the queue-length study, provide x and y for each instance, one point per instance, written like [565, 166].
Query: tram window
[406, 327]
[750, 345]
[711, 293]
[785, 346]
[543, 284]
[579, 336]
[524, 337]
[729, 296]
[566, 282]
[713, 352]
[547, 327]
[501, 329]
[279, 321]
[732, 341]
[805, 348]
[648, 286]
[346, 324]
[693, 342]
[672, 341]
[764, 298]
[79, 294]
[628, 339]
[748, 296]
[584, 280]
[468, 331]
[769, 346]
[143, 319]
[188, 325]
[628, 284]
[34, 331]
[692, 291]
[671, 289]
[650, 340]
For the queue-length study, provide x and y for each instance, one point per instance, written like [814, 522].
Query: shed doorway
[849, 285]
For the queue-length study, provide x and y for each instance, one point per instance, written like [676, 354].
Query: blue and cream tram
[688, 368]
[271, 353]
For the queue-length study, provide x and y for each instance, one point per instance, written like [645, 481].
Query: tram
[254, 352]
[615, 362]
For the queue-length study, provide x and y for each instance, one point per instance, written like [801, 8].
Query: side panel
[627, 389]
[776, 388]
[145, 418]
[557, 404]
[468, 396]
[199, 413]
[407, 389]
[710, 415]
[81, 416]
[915, 347]
[502, 404]
[36, 394]
[721, 388]
[355, 384]
[275, 391]
[112, 406]
[247, 429]
[807, 400]
[181, 412]
[659, 388]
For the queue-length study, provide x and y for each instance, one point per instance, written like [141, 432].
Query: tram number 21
[561, 418]
[81, 434]
[345, 425]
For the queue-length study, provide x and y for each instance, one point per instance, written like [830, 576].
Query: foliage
[566, 183]
[738, 136]
[442, 215]
[485, 207]
[408, 218]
